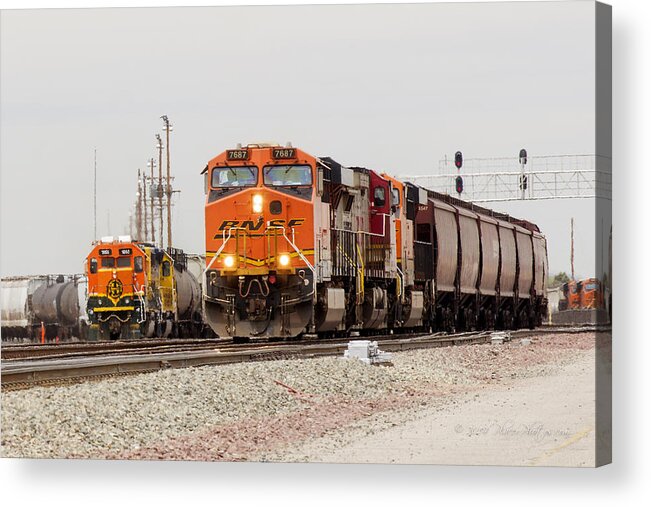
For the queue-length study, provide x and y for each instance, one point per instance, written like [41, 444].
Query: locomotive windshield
[108, 262]
[590, 286]
[124, 262]
[241, 176]
[287, 175]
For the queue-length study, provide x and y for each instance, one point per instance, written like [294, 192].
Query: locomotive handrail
[300, 254]
[376, 234]
[401, 277]
[139, 294]
[218, 251]
[360, 278]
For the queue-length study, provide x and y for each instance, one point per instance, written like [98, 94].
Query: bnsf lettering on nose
[250, 225]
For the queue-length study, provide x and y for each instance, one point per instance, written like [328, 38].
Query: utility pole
[138, 211]
[151, 165]
[159, 188]
[95, 199]
[167, 128]
[572, 245]
[144, 201]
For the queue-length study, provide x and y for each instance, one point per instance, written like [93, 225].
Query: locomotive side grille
[344, 258]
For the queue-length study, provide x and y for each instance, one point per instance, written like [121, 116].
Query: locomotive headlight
[283, 260]
[257, 203]
[229, 261]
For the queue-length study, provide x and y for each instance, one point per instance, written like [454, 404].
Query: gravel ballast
[255, 410]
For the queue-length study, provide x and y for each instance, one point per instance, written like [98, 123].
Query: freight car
[138, 290]
[298, 244]
[53, 304]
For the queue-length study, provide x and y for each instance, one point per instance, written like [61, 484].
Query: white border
[626, 482]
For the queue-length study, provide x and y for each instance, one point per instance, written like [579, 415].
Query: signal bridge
[506, 179]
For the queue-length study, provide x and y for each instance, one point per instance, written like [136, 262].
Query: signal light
[458, 183]
[523, 156]
[458, 159]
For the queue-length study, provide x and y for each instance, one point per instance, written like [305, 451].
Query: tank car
[52, 304]
[138, 290]
[299, 244]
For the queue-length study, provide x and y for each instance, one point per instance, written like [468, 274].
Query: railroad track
[49, 351]
[90, 365]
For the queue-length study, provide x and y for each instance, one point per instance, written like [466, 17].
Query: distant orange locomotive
[298, 244]
[138, 290]
[582, 295]
[591, 293]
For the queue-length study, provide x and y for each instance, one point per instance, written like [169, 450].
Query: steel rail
[24, 374]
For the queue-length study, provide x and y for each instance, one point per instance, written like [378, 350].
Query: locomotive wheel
[167, 328]
[149, 328]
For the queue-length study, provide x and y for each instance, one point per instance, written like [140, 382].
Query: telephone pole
[572, 245]
[168, 128]
[151, 165]
[95, 199]
[159, 188]
[144, 201]
[138, 210]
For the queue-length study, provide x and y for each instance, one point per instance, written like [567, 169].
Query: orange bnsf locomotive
[298, 244]
[137, 290]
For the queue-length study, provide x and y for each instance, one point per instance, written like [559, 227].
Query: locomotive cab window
[287, 175]
[108, 262]
[229, 177]
[137, 264]
[124, 262]
[93, 266]
[166, 268]
[379, 197]
[395, 197]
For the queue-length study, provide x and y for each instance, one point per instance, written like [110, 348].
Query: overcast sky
[390, 87]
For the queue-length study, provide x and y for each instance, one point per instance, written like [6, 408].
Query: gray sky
[390, 87]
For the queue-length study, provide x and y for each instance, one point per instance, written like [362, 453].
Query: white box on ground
[367, 352]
